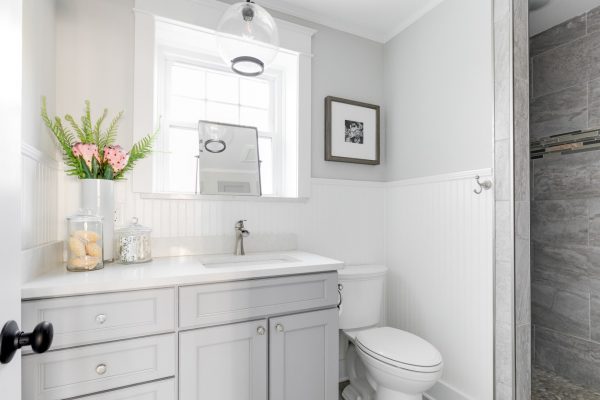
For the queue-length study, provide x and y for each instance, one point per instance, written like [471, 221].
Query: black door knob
[12, 339]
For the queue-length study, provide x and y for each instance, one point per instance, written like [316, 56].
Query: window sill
[203, 197]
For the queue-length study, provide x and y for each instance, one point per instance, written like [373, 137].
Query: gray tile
[560, 222]
[593, 48]
[504, 238]
[594, 104]
[567, 176]
[521, 39]
[594, 227]
[504, 350]
[523, 360]
[504, 292]
[558, 35]
[575, 359]
[560, 112]
[522, 282]
[521, 140]
[560, 310]
[593, 20]
[562, 67]
[595, 316]
[502, 168]
[565, 267]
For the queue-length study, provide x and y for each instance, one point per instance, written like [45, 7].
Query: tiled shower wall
[566, 202]
[511, 177]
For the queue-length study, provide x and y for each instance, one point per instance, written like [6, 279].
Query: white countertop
[174, 271]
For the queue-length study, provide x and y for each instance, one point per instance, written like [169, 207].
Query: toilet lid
[399, 348]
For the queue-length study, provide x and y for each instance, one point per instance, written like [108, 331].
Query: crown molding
[376, 35]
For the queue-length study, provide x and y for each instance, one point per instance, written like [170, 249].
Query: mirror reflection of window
[196, 92]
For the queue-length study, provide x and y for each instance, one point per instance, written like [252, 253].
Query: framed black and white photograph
[351, 131]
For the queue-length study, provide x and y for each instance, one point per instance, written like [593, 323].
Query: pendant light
[247, 38]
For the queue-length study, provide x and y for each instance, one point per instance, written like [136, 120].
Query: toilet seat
[399, 349]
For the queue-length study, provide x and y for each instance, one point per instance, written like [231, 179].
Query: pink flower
[87, 152]
[116, 157]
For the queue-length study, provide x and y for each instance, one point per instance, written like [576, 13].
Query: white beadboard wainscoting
[41, 246]
[440, 284]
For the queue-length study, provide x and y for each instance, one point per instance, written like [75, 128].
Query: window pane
[184, 109]
[187, 81]
[254, 93]
[255, 117]
[265, 151]
[219, 112]
[181, 160]
[221, 87]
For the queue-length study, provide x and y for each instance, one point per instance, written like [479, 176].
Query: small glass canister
[84, 244]
[133, 244]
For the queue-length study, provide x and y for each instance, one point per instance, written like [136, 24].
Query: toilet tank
[362, 295]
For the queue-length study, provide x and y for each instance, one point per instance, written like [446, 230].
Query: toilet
[382, 363]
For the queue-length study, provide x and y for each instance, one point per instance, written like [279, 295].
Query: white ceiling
[378, 20]
[555, 12]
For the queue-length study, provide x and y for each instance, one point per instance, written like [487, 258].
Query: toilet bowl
[382, 363]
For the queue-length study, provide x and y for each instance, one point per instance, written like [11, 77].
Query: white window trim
[205, 14]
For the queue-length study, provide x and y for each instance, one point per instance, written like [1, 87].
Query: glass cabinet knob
[261, 330]
[100, 318]
[279, 328]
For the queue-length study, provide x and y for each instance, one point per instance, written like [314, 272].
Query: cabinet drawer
[216, 303]
[99, 318]
[161, 390]
[84, 370]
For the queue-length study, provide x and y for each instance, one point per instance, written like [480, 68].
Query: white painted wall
[439, 109]
[96, 37]
[439, 92]
[40, 186]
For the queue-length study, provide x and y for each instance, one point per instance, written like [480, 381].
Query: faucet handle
[240, 223]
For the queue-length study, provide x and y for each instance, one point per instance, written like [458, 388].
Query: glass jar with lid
[84, 244]
[133, 243]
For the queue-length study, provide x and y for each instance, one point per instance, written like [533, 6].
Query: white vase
[98, 195]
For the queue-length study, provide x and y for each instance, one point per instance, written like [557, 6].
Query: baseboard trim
[443, 391]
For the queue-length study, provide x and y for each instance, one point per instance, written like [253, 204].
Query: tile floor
[546, 385]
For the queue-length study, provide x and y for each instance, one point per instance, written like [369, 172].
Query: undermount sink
[253, 260]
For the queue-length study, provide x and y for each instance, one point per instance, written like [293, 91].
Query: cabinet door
[304, 356]
[224, 362]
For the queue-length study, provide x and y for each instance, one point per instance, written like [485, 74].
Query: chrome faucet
[240, 233]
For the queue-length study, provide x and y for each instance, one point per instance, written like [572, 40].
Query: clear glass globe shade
[247, 38]
[216, 138]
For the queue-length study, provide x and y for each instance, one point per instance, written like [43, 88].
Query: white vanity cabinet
[303, 356]
[270, 338]
[224, 362]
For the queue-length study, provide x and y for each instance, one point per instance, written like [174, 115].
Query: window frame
[168, 57]
[152, 20]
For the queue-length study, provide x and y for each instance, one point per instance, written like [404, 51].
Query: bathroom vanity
[229, 328]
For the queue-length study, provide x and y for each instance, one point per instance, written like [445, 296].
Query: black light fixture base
[247, 59]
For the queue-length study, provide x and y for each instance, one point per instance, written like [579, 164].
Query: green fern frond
[64, 138]
[98, 126]
[140, 150]
[80, 132]
[110, 135]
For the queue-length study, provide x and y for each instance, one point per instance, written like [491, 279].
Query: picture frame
[352, 131]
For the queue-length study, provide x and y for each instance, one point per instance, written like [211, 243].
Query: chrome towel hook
[485, 185]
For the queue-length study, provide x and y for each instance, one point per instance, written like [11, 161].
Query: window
[179, 79]
[195, 90]
[193, 84]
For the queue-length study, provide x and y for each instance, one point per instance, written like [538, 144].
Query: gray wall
[439, 95]
[566, 202]
[347, 66]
